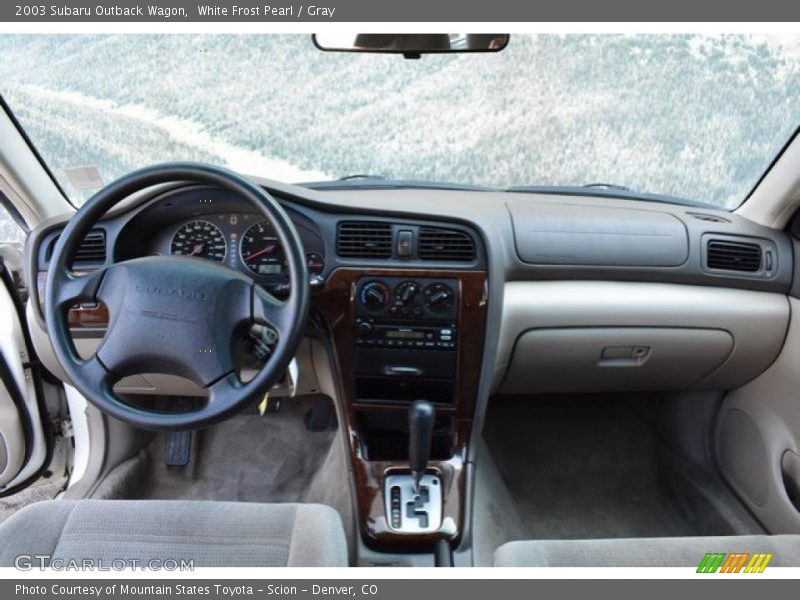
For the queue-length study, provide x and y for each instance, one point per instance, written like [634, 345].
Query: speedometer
[261, 251]
[201, 239]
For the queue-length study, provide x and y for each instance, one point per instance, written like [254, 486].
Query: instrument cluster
[242, 241]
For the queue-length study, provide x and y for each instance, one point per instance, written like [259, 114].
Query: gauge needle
[258, 253]
[196, 250]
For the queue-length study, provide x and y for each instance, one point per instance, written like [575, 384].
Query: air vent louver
[733, 256]
[364, 239]
[445, 244]
[92, 248]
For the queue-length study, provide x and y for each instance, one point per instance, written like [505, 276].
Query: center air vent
[733, 256]
[445, 244]
[364, 239]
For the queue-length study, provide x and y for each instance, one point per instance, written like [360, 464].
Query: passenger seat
[644, 552]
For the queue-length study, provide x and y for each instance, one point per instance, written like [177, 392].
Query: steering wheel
[174, 314]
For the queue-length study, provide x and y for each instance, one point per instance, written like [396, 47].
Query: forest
[697, 117]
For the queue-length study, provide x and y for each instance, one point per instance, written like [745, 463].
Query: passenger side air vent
[364, 239]
[733, 256]
[445, 244]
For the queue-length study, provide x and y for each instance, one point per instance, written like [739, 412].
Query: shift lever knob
[421, 415]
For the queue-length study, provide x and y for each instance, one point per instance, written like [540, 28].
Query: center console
[409, 346]
[406, 334]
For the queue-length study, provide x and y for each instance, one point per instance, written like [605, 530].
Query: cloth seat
[211, 534]
[644, 552]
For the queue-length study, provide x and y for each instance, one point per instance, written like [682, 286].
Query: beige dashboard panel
[571, 336]
[758, 429]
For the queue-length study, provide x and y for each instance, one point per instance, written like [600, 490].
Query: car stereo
[397, 312]
[405, 335]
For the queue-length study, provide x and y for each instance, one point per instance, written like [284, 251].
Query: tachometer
[201, 239]
[261, 251]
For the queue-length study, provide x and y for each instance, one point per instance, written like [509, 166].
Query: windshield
[697, 117]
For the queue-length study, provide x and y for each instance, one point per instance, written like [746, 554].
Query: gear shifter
[421, 415]
[413, 501]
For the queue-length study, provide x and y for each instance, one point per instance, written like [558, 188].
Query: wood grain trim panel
[336, 302]
[77, 318]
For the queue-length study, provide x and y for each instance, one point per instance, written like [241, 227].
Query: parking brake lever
[421, 415]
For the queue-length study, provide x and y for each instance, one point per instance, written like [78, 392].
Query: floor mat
[247, 458]
[594, 468]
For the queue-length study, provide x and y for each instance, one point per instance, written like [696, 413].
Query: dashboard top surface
[149, 221]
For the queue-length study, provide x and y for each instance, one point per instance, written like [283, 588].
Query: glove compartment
[601, 359]
[587, 336]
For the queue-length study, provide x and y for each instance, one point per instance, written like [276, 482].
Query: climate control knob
[438, 297]
[364, 329]
[375, 295]
[405, 292]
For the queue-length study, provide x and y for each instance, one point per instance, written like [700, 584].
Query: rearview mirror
[411, 45]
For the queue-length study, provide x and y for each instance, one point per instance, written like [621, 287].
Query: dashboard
[529, 247]
[214, 224]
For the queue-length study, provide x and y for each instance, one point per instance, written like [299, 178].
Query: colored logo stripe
[758, 563]
[711, 562]
[734, 563]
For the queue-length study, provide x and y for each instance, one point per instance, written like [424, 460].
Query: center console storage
[385, 434]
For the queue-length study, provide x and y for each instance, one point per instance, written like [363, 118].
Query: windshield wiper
[608, 186]
[358, 176]
[607, 190]
[378, 182]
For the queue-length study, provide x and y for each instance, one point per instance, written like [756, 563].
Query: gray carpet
[44, 489]
[247, 458]
[594, 467]
[53, 482]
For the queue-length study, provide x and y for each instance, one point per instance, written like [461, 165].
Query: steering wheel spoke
[272, 312]
[224, 392]
[74, 288]
[95, 372]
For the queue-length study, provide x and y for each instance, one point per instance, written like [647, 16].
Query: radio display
[405, 334]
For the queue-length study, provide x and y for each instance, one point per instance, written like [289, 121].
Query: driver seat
[211, 534]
